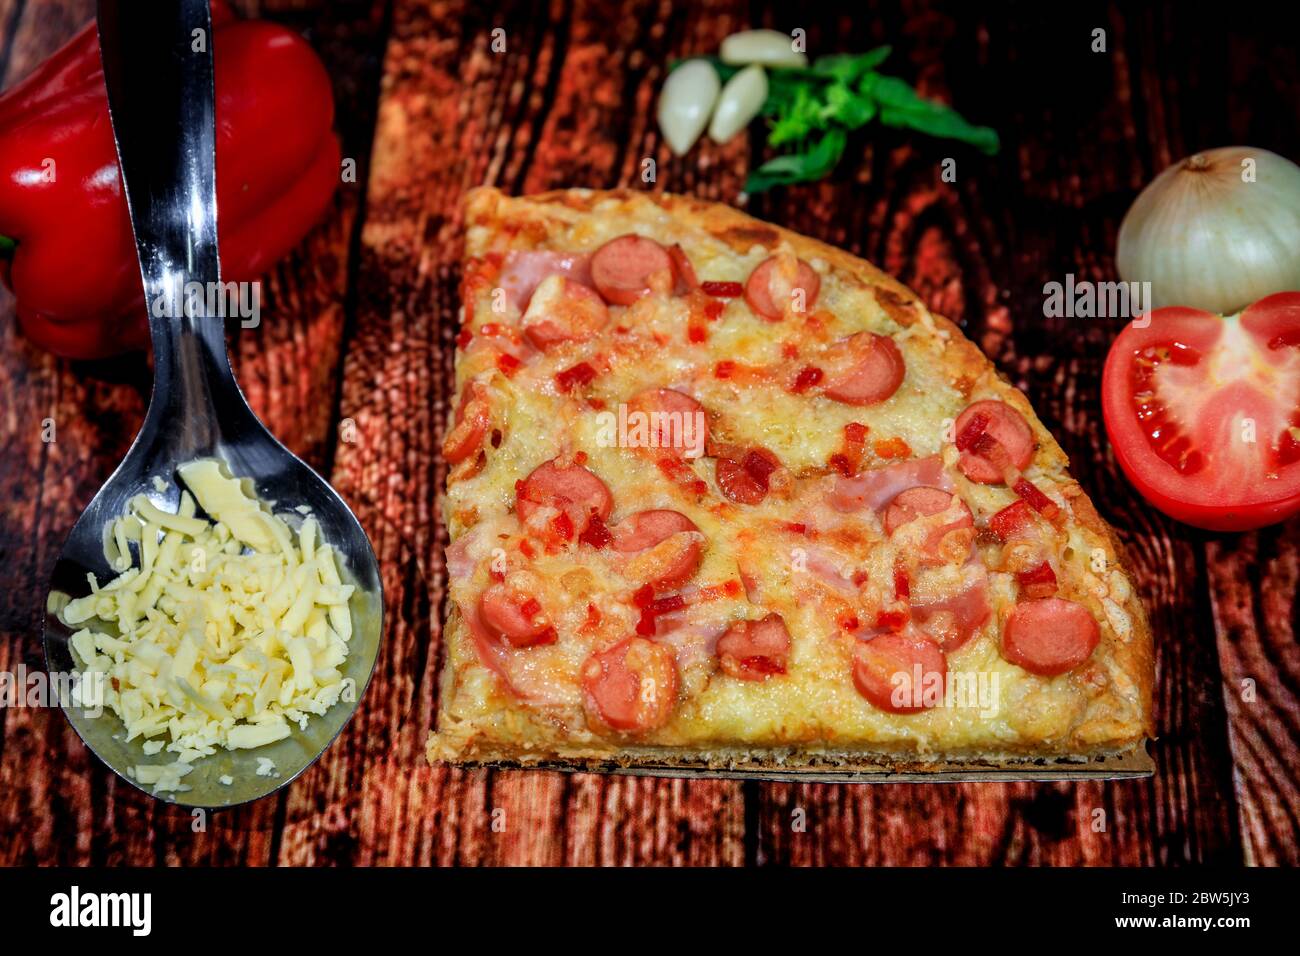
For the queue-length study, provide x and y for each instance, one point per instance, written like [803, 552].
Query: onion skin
[1204, 238]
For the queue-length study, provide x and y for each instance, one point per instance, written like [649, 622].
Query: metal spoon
[158, 69]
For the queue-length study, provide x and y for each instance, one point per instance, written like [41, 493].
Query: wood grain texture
[1253, 582]
[430, 146]
[352, 367]
[288, 368]
[1058, 207]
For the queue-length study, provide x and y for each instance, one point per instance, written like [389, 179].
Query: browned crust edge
[841, 766]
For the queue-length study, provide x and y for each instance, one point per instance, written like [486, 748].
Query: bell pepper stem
[7, 247]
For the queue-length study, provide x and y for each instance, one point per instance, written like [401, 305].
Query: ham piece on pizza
[722, 496]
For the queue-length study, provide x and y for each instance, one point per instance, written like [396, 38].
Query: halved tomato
[1204, 412]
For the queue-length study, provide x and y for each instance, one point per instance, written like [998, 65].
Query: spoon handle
[158, 70]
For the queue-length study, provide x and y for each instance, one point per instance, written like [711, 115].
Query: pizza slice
[721, 496]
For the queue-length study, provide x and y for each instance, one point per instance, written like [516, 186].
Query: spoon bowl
[284, 483]
[162, 106]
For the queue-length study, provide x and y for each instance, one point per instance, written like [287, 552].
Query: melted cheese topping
[809, 580]
[222, 632]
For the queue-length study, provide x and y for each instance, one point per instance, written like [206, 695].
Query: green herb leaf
[945, 125]
[799, 117]
[800, 167]
[902, 107]
[812, 109]
[846, 106]
[848, 67]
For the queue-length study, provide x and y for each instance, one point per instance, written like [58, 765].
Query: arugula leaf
[800, 167]
[844, 105]
[847, 67]
[902, 107]
[946, 125]
[798, 118]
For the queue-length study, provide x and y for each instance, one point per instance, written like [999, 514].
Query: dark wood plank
[923, 231]
[10, 15]
[34, 29]
[39, 762]
[455, 114]
[288, 367]
[1253, 579]
[1068, 167]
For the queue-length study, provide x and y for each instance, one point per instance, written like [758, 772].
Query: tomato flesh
[1162, 429]
[1203, 412]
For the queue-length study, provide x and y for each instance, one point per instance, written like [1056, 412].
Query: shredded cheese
[219, 632]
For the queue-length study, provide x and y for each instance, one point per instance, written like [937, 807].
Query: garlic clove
[765, 47]
[741, 99]
[1216, 231]
[685, 103]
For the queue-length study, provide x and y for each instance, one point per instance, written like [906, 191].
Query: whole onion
[1216, 231]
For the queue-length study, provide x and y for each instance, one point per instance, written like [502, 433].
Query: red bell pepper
[66, 248]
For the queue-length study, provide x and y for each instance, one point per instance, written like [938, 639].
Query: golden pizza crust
[487, 725]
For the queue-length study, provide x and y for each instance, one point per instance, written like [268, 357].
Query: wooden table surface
[352, 363]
